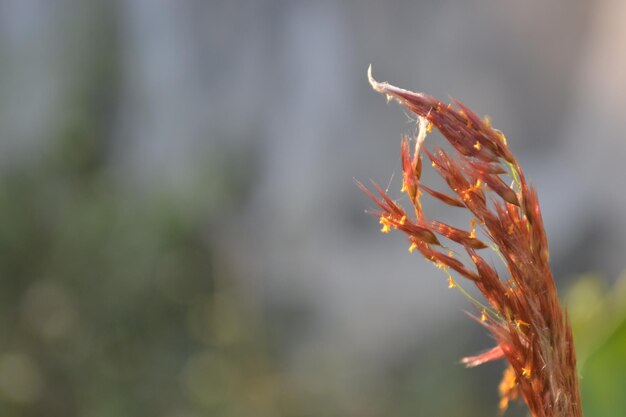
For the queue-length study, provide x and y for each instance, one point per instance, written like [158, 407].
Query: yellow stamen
[451, 283]
[403, 220]
[501, 136]
[526, 371]
[473, 226]
[386, 224]
[477, 146]
[412, 247]
[472, 188]
[503, 404]
[508, 388]
[487, 121]
[520, 323]
[483, 315]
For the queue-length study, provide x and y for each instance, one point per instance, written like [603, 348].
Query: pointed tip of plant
[391, 91]
[375, 84]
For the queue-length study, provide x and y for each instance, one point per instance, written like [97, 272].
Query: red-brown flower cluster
[524, 315]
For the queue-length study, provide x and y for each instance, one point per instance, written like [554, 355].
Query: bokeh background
[180, 234]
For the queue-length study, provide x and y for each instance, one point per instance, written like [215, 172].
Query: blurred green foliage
[598, 315]
[108, 296]
[114, 301]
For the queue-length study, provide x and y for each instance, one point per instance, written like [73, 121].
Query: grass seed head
[523, 312]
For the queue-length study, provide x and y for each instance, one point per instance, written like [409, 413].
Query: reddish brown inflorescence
[523, 312]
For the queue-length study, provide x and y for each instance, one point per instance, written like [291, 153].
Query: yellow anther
[520, 323]
[404, 187]
[403, 220]
[386, 224]
[487, 121]
[412, 247]
[429, 127]
[526, 371]
[483, 315]
[508, 388]
[510, 229]
[477, 146]
[451, 283]
[471, 188]
[473, 231]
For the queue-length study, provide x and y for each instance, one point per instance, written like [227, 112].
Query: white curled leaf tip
[382, 88]
[378, 87]
[390, 91]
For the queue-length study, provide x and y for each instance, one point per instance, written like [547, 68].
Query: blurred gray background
[255, 116]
